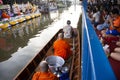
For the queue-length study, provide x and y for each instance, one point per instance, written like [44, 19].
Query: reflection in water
[19, 44]
[19, 35]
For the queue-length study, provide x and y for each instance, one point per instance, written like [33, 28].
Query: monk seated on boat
[44, 73]
[62, 47]
[5, 15]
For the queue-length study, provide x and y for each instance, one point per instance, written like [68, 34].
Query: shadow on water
[19, 35]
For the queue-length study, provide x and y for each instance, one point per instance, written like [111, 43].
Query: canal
[22, 42]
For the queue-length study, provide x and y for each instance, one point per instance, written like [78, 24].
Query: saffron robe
[44, 76]
[62, 49]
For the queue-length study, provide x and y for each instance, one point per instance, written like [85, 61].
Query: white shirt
[67, 31]
[96, 16]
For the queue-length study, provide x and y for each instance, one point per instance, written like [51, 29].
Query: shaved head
[44, 66]
[60, 36]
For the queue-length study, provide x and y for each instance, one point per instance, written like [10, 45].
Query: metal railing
[95, 65]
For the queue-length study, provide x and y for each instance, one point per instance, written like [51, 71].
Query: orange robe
[62, 49]
[44, 76]
[4, 15]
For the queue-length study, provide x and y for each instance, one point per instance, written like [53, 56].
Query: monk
[5, 15]
[61, 47]
[44, 74]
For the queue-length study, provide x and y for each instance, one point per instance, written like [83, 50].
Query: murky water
[19, 44]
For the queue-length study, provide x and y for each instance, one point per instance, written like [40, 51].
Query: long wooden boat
[75, 65]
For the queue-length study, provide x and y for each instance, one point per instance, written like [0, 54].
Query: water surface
[21, 43]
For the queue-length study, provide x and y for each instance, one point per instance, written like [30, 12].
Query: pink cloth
[1, 2]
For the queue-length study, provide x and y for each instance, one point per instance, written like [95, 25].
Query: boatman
[68, 30]
[44, 73]
[62, 47]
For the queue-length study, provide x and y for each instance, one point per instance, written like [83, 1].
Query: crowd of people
[62, 49]
[17, 9]
[105, 18]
